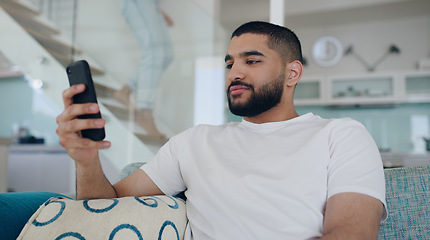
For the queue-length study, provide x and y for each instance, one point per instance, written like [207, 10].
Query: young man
[275, 175]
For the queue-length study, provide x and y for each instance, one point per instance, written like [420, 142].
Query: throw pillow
[154, 217]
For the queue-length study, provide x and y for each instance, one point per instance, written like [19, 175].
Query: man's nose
[235, 73]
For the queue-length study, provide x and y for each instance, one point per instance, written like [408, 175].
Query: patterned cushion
[408, 203]
[155, 217]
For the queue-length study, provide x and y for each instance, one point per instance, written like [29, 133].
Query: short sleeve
[164, 170]
[355, 162]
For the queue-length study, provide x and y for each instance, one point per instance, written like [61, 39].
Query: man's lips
[238, 89]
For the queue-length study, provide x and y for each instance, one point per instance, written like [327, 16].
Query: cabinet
[416, 86]
[364, 89]
[4, 152]
[40, 168]
[310, 91]
[37, 167]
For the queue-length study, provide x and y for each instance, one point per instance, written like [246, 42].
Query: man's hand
[82, 150]
[90, 180]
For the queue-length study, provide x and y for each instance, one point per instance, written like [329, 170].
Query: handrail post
[277, 12]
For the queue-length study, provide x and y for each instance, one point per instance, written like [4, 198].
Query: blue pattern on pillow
[143, 201]
[41, 224]
[70, 234]
[86, 206]
[125, 226]
[175, 206]
[165, 224]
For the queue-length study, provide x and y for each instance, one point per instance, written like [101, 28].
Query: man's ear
[294, 72]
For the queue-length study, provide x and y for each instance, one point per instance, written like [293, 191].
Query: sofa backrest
[408, 203]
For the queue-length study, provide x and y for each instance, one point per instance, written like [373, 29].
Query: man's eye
[251, 61]
[229, 66]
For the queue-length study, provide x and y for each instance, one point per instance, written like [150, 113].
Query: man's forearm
[91, 183]
[339, 235]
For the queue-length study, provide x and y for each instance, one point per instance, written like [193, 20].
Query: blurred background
[368, 60]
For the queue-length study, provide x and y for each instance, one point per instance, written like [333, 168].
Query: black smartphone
[79, 72]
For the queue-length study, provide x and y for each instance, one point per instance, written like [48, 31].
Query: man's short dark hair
[280, 39]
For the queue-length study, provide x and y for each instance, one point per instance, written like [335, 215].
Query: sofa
[407, 195]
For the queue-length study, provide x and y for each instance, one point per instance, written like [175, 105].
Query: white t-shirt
[267, 181]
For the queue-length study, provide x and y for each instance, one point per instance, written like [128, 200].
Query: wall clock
[327, 51]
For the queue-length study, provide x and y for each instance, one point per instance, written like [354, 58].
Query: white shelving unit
[364, 89]
[310, 91]
[416, 86]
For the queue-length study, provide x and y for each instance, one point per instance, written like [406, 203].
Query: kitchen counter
[34, 148]
[40, 167]
[5, 141]
[393, 159]
[4, 152]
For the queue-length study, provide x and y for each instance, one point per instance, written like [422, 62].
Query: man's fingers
[75, 110]
[82, 143]
[73, 126]
[70, 92]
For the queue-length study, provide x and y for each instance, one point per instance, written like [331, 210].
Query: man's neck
[274, 115]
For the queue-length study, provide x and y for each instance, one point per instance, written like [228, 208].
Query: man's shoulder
[339, 122]
[207, 128]
[334, 125]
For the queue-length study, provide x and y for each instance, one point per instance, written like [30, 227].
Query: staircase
[41, 39]
[7, 69]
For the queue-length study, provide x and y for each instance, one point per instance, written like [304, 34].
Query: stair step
[48, 35]
[56, 42]
[104, 90]
[38, 22]
[7, 69]
[150, 140]
[141, 134]
[122, 113]
[65, 60]
[5, 73]
[117, 108]
[113, 103]
[25, 6]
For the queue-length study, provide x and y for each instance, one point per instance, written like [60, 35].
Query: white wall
[103, 33]
[371, 40]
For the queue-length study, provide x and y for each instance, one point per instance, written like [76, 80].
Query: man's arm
[352, 216]
[90, 179]
[137, 184]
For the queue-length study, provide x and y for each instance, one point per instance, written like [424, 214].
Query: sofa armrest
[17, 208]
[408, 198]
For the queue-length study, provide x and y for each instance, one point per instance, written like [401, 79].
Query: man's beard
[266, 98]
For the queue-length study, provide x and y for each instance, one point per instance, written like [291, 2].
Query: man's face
[255, 75]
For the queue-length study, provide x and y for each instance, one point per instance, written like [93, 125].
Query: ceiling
[320, 13]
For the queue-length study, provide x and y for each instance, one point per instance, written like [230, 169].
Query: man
[275, 175]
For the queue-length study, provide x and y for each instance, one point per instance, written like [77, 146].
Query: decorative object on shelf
[327, 51]
[424, 64]
[393, 49]
[427, 140]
